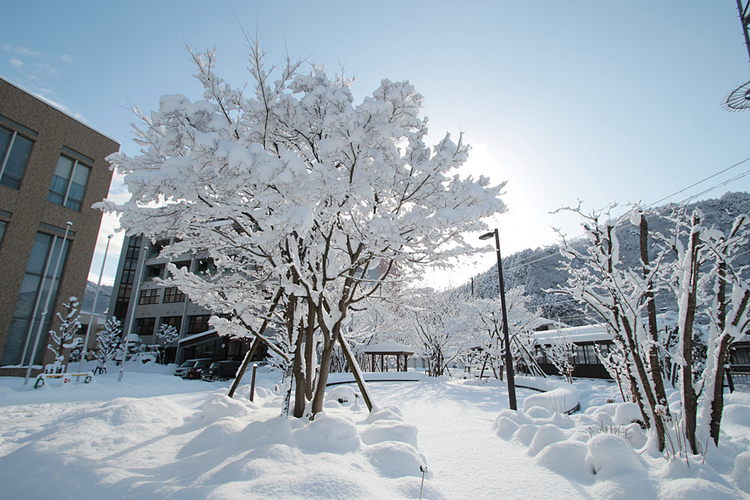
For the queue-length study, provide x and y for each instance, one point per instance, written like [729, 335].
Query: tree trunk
[653, 350]
[325, 367]
[689, 398]
[717, 405]
[310, 361]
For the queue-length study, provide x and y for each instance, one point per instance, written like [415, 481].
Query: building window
[128, 276]
[198, 324]
[205, 267]
[157, 247]
[69, 183]
[173, 294]
[175, 321]
[149, 296]
[153, 272]
[145, 326]
[2, 231]
[14, 155]
[38, 283]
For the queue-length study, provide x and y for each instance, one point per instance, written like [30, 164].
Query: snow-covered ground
[156, 436]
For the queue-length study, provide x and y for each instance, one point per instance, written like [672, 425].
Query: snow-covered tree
[110, 343]
[435, 328]
[707, 284]
[300, 194]
[560, 354]
[168, 334]
[69, 325]
[483, 320]
[622, 297]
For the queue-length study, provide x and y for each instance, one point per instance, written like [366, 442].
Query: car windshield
[202, 363]
[187, 363]
[215, 365]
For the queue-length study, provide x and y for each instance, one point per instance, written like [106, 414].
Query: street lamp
[93, 307]
[506, 335]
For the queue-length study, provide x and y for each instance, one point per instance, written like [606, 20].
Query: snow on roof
[197, 336]
[587, 333]
[389, 347]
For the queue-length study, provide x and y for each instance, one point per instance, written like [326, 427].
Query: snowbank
[557, 396]
[201, 444]
[602, 447]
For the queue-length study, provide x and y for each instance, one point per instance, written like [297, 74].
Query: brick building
[52, 169]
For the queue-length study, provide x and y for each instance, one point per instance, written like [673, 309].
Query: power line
[686, 200]
[700, 182]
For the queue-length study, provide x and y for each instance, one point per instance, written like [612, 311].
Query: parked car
[182, 370]
[196, 370]
[220, 370]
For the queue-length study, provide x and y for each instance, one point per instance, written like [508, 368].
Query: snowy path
[466, 457]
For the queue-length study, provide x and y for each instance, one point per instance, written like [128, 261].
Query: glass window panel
[591, 358]
[39, 254]
[2, 230]
[77, 187]
[14, 344]
[60, 180]
[16, 164]
[19, 343]
[5, 136]
[64, 168]
[577, 355]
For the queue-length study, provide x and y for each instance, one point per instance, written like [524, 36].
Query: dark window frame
[148, 296]
[173, 295]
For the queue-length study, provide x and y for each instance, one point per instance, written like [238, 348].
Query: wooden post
[252, 383]
[357, 372]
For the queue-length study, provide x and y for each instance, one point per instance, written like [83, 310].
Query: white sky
[598, 101]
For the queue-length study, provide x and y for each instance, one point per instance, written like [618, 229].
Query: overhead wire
[684, 201]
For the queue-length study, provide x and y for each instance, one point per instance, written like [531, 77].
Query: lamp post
[93, 307]
[506, 335]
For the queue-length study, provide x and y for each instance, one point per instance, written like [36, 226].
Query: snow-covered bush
[69, 325]
[110, 343]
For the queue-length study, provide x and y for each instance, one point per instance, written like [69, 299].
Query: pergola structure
[383, 350]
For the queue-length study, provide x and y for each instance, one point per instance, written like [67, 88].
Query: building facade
[52, 169]
[143, 306]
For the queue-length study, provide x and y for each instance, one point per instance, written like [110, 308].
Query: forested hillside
[539, 270]
[102, 303]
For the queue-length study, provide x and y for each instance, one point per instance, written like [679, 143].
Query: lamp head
[487, 236]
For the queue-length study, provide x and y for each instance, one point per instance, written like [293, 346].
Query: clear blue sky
[598, 101]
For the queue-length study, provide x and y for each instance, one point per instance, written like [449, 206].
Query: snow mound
[342, 394]
[567, 458]
[545, 436]
[218, 406]
[741, 473]
[627, 413]
[736, 415]
[385, 413]
[328, 433]
[389, 430]
[696, 489]
[525, 434]
[217, 434]
[610, 455]
[538, 412]
[395, 459]
[504, 427]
